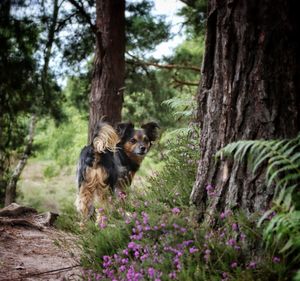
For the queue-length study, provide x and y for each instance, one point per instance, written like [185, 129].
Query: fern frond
[282, 157]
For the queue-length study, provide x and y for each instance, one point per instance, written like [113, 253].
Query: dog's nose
[143, 148]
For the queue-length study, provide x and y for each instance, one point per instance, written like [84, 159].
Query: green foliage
[282, 161]
[143, 30]
[62, 143]
[168, 235]
[20, 81]
[51, 171]
[282, 157]
[194, 13]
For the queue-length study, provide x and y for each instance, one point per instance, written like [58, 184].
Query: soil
[32, 249]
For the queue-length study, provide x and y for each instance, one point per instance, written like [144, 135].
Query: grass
[46, 191]
[152, 235]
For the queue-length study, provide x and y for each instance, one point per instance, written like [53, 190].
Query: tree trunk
[10, 194]
[106, 96]
[249, 90]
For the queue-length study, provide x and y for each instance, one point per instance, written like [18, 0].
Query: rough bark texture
[106, 96]
[249, 90]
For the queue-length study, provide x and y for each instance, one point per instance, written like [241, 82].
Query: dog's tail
[105, 138]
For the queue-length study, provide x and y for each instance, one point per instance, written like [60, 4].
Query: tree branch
[84, 14]
[61, 24]
[165, 66]
[137, 61]
[182, 82]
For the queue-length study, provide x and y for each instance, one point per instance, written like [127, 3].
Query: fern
[282, 158]
[282, 161]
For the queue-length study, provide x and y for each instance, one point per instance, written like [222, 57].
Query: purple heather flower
[208, 235]
[233, 265]
[151, 272]
[235, 227]
[102, 222]
[183, 230]
[144, 257]
[136, 254]
[145, 217]
[179, 253]
[225, 214]
[207, 255]
[231, 242]
[137, 236]
[252, 265]
[147, 228]
[187, 242]
[243, 236]
[175, 211]
[139, 228]
[172, 275]
[193, 250]
[207, 252]
[106, 258]
[210, 190]
[132, 245]
[276, 259]
[224, 276]
[122, 195]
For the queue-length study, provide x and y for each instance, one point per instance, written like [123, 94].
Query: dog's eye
[133, 141]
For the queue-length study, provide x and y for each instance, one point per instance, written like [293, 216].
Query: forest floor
[32, 249]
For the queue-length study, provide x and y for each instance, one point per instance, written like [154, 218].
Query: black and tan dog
[110, 162]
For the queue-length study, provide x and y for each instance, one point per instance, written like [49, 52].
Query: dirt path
[30, 250]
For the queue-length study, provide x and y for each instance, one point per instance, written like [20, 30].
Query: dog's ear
[151, 130]
[125, 130]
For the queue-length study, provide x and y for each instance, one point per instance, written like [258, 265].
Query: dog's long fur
[108, 164]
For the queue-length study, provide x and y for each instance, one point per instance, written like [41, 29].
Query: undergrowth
[152, 234]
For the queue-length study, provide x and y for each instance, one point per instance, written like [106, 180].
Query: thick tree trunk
[10, 194]
[249, 90]
[106, 96]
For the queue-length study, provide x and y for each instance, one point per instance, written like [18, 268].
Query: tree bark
[106, 96]
[10, 194]
[249, 90]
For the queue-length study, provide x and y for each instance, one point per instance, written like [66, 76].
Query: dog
[108, 164]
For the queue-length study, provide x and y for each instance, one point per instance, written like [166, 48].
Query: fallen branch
[28, 275]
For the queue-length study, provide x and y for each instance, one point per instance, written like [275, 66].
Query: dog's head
[137, 142]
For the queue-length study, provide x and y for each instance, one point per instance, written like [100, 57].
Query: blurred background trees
[47, 54]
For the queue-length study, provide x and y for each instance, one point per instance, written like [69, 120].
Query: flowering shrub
[151, 235]
[173, 247]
